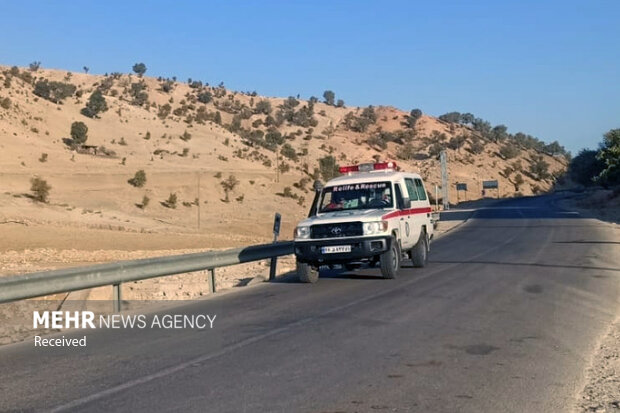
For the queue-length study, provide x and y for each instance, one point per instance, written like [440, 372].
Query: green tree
[340, 103]
[609, 154]
[205, 97]
[453, 117]
[79, 133]
[139, 69]
[53, 91]
[329, 97]
[96, 104]
[413, 118]
[585, 168]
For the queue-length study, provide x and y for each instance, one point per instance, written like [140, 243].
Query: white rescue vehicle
[372, 214]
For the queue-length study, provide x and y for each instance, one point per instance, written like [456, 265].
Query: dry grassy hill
[188, 139]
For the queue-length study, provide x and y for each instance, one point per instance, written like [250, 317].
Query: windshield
[356, 196]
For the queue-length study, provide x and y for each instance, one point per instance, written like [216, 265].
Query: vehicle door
[404, 220]
[423, 217]
[415, 221]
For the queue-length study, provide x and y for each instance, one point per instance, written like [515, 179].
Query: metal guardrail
[44, 283]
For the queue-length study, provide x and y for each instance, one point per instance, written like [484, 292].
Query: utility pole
[198, 198]
[444, 181]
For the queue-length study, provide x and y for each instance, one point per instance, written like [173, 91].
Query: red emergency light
[367, 167]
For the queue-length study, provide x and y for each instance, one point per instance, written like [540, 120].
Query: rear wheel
[390, 260]
[306, 273]
[419, 253]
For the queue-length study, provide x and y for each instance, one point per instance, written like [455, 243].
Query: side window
[421, 191]
[413, 192]
[400, 203]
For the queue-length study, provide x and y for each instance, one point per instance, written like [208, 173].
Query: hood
[364, 215]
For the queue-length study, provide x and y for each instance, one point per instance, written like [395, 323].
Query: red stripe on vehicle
[411, 211]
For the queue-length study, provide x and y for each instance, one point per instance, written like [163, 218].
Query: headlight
[375, 227]
[302, 232]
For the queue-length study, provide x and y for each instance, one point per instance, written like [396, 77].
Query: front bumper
[361, 248]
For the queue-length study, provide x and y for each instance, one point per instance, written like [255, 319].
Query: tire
[350, 267]
[306, 273]
[419, 252]
[390, 260]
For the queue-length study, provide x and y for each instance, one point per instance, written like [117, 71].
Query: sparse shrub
[229, 185]
[5, 103]
[171, 202]
[145, 202]
[263, 107]
[164, 111]
[218, 175]
[340, 103]
[40, 189]
[185, 152]
[435, 149]
[139, 179]
[518, 181]
[476, 147]
[96, 105]
[186, 136]
[79, 133]
[288, 151]
[137, 92]
[34, 66]
[539, 168]
[43, 158]
[147, 136]
[328, 167]
[122, 141]
[509, 151]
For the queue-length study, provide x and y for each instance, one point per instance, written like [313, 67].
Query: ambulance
[373, 214]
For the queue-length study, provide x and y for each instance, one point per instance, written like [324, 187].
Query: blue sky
[547, 68]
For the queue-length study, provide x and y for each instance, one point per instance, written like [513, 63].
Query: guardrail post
[212, 280]
[116, 288]
[274, 260]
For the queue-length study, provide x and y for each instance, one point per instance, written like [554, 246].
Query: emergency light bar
[368, 167]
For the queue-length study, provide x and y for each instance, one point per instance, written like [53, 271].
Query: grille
[345, 229]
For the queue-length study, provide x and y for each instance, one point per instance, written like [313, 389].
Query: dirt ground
[602, 390]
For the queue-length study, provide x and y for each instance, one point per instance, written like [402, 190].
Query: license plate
[334, 249]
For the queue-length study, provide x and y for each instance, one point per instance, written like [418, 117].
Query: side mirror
[406, 203]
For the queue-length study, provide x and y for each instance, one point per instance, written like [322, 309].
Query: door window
[420, 188]
[411, 189]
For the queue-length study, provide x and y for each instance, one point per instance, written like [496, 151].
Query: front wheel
[390, 260]
[419, 253]
[306, 273]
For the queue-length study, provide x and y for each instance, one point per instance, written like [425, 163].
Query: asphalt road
[504, 318]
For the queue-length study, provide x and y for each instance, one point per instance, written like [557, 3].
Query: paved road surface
[504, 318]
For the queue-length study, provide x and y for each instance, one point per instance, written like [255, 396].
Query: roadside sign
[276, 225]
[490, 184]
[461, 187]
